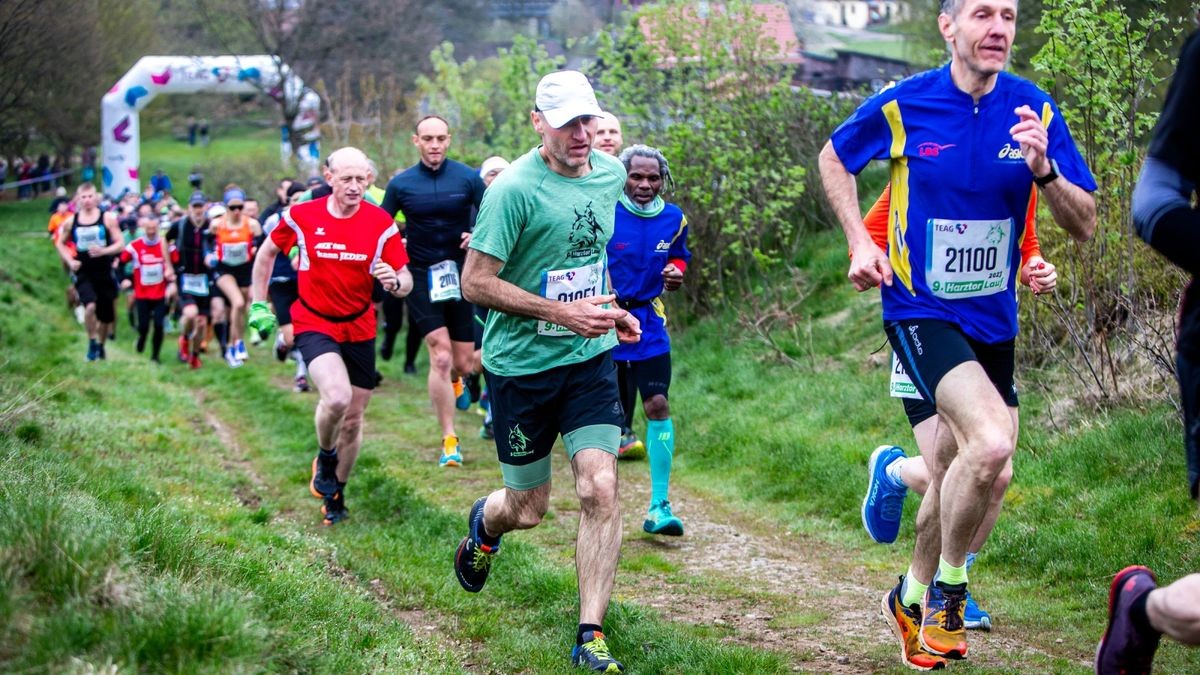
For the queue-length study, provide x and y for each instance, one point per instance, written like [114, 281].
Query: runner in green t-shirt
[537, 259]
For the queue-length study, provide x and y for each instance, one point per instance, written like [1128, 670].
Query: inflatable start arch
[154, 75]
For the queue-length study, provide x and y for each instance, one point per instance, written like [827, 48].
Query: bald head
[348, 172]
[346, 157]
[608, 134]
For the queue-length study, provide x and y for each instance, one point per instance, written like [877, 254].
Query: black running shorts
[359, 357]
[241, 273]
[99, 288]
[456, 316]
[930, 348]
[578, 401]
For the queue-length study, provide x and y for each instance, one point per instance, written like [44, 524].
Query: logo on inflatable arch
[133, 94]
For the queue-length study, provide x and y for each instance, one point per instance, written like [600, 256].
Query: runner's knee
[336, 400]
[1002, 482]
[527, 507]
[597, 489]
[656, 407]
[990, 449]
[439, 360]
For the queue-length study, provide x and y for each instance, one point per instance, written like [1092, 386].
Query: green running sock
[951, 575]
[913, 591]
[660, 448]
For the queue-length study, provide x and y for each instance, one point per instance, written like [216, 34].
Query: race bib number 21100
[968, 258]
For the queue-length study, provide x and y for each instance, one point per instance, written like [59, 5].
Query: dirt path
[732, 571]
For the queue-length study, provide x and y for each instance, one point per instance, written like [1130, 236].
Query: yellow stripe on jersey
[1031, 205]
[679, 232]
[898, 211]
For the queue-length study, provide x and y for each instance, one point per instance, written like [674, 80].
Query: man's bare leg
[439, 380]
[351, 432]
[985, 433]
[328, 373]
[598, 543]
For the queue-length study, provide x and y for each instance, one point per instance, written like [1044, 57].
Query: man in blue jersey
[966, 143]
[438, 197]
[647, 255]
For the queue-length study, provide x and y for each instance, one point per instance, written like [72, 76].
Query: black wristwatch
[1048, 178]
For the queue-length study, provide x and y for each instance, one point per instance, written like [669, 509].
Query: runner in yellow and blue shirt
[964, 143]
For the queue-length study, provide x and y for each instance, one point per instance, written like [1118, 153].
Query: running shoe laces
[481, 558]
[593, 654]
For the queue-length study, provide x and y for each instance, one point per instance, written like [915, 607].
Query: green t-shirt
[550, 232]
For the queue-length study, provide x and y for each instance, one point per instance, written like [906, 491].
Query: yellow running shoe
[450, 452]
[943, 630]
[905, 622]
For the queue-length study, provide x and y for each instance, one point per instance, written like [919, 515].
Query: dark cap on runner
[197, 198]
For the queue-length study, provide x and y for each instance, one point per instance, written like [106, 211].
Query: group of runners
[546, 277]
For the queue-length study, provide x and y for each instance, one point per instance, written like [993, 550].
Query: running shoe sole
[312, 482]
[337, 517]
[1114, 593]
[450, 460]
[672, 527]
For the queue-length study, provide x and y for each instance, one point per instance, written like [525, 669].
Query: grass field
[157, 519]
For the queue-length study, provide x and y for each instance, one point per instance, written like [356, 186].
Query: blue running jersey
[960, 190]
[637, 253]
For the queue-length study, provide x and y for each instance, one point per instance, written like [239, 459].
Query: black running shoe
[324, 481]
[334, 509]
[473, 560]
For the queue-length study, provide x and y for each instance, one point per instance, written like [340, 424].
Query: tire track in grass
[420, 621]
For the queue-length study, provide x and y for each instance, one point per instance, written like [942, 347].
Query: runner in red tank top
[345, 245]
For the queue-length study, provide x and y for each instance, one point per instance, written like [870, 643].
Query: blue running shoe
[473, 559]
[593, 655]
[974, 617]
[660, 520]
[884, 504]
[462, 396]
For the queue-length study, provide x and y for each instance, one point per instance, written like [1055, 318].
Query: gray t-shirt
[550, 232]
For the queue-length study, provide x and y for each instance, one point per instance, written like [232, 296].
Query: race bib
[235, 254]
[968, 258]
[569, 286]
[87, 238]
[902, 385]
[195, 284]
[152, 274]
[443, 282]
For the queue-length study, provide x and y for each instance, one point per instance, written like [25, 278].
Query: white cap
[564, 95]
[491, 164]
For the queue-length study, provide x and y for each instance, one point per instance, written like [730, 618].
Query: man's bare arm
[260, 274]
[482, 285]
[868, 265]
[1073, 208]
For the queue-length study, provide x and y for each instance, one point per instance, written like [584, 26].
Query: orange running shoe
[905, 622]
[943, 630]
